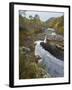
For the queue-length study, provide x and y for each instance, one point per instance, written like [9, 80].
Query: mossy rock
[34, 71]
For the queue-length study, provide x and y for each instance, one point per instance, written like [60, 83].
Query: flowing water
[53, 65]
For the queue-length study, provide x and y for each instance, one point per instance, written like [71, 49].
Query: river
[54, 65]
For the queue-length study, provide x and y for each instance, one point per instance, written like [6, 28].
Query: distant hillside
[57, 24]
[50, 20]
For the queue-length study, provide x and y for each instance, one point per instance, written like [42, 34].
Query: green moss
[28, 68]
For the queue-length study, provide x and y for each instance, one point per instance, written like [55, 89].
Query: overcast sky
[44, 15]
